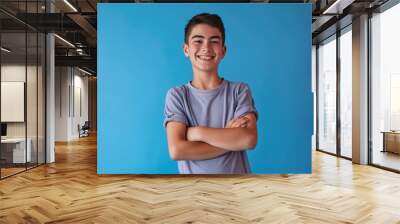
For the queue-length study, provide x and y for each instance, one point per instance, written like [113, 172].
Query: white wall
[71, 102]
[62, 81]
[12, 73]
[80, 110]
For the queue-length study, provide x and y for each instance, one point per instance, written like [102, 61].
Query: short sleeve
[174, 108]
[245, 103]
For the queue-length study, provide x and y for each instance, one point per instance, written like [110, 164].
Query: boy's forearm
[232, 139]
[195, 150]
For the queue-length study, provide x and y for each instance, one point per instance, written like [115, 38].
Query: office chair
[84, 130]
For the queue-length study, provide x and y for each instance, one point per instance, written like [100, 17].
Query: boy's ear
[186, 50]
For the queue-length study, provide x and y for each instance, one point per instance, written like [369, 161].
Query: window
[346, 92]
[385, 88]
[327, 95]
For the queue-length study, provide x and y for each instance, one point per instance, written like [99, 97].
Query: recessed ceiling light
[84, 71]
[5, 50]
[64, 40]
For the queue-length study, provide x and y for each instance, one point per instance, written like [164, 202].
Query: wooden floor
[387, 159]
[70, 191]
[5, 172]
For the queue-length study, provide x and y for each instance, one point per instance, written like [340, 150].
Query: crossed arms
[199, 143]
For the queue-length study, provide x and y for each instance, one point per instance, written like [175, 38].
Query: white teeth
[206, 57]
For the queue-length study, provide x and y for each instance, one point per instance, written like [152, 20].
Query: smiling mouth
[206, 57]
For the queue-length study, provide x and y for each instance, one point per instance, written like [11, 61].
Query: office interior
[48, 80]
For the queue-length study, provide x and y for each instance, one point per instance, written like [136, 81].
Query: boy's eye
[197, 41]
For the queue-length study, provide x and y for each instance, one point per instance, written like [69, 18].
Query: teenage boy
[210, 121]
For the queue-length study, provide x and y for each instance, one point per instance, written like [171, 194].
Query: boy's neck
[206, 81]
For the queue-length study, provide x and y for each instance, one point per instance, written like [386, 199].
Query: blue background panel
[140, 57]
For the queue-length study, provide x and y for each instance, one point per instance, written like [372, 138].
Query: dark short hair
[205, 18]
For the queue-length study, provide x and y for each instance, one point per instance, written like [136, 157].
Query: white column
[50, 100]
[50, 93]
[360, 90]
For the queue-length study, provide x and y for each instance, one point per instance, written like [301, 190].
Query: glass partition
[14, 153]
[22, 77]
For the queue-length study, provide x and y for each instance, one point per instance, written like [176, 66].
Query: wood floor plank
[70, 191]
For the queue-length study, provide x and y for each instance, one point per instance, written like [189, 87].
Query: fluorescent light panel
[70, 5]
[5, 50]
[328, 10]
[338, 6]
[64, 40]
[86, 72]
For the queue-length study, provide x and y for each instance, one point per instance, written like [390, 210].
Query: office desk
[13, 150]
[391, 141]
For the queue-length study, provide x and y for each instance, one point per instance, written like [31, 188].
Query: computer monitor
[3, 129]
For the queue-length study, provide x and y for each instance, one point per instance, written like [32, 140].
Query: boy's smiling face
[205, 48]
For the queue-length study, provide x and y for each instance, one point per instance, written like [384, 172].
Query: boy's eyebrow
[215, 37]
[200, 36]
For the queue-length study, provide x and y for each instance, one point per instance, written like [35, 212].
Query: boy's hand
[193, 134]
[239, 122]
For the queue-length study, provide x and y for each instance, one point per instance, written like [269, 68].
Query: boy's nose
[206, 47]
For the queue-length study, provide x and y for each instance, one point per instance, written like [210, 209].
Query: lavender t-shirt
[211, 108]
